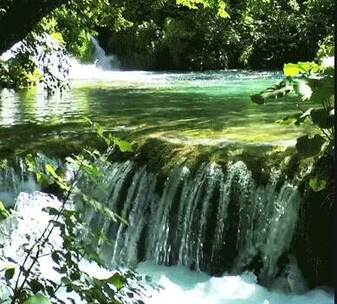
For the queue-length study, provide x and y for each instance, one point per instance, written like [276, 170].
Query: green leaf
[117, 280]
[317, 184]
[222, 10]
[55, 257]
[75, 276]
[52, 211]
[99, 130]
[123, 145]
[322, 89]
[43, 180]
[9, 273]
[192, 4]
[36, 286]
[37, 299]
[315, 89]
[322, 118]
[309, 146]
[4, 213]
[61, 182]
[294, 69]
[290, 69]
[51, 170]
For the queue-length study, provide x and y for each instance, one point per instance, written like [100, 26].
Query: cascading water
[104, 66]
[212, 220]
[15, 178]
[102, 60]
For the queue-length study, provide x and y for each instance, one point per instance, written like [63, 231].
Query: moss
[158, 155]
[161, 156]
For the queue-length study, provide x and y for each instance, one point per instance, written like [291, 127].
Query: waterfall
[210, 220]
[180, 285]
[213, 220]
[104, 67]
[102, 60]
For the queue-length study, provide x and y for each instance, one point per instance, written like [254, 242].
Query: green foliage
[294, 69]
[24, 279]
[86, 50]
[212, 34]
[80, 19]
[38, 299]
[258, 34]
[220, 5]
[285, 31]
[123, 145]
[326, 48]
[9, 273]
[33, 62]
[4, 213]
[317, 184]
[19, 72]
[316, 90]
[77, 42]
[313, 82]
[42, 177]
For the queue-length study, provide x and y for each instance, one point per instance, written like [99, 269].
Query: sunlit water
[210, 107]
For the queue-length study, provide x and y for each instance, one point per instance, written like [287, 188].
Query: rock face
[313, 240]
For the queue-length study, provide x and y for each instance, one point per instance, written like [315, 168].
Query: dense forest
[161, 151]
[168, 35]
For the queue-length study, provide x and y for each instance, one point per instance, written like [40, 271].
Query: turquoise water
[206, 108]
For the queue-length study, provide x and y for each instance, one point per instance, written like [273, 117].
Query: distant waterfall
[104, 66]
[102, 60]
[211, 221]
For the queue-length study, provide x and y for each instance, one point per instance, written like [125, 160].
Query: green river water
[192, 108]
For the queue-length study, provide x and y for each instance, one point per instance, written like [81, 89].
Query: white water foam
[182, 286]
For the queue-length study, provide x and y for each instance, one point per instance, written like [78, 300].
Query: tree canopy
[172, 34]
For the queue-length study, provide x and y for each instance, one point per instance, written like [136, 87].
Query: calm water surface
[207, 107]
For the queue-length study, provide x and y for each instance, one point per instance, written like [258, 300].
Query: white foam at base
[182, 286]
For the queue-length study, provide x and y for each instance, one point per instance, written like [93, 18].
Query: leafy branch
[29, 286]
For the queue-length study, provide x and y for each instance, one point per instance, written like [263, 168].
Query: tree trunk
[21, 17]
